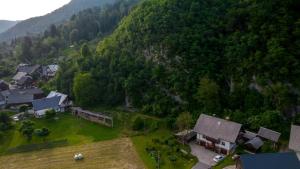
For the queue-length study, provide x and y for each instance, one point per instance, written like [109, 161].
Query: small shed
[268, 134]
[248, 135]
[186, 136]
[254, 144]
[101, 118]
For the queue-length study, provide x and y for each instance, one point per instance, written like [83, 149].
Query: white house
[217, 134]
[64, 99]
[294, 143]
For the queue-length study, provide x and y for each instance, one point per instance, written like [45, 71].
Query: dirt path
[115, 154]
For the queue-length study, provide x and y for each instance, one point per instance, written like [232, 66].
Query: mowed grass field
[114, 154]
[67, 127]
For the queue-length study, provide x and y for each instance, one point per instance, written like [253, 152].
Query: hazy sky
[24, 9]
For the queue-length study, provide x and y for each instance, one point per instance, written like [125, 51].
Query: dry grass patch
[115, 154]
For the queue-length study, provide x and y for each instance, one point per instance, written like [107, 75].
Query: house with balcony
[217, 134]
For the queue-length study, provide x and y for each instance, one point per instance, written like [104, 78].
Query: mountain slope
[159, 53]
[5, 25]
[39, 24]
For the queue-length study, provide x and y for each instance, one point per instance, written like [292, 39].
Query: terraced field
[115, 154]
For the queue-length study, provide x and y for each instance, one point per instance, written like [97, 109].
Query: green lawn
[75, 130]
[78, 131]
[165, 151]
[226, 162]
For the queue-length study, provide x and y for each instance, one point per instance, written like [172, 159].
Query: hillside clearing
[115, 154]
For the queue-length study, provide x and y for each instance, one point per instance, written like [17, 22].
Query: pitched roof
[294, 143]
[19, 75]
[217, 128]
[256, 143]
[269, 134]
[53, 68]
[2, 81]
[24, 80]
[270, 161]
[29, 69]
[20, 96]
[3, 85]
[46, 103]
[249, 135]
[63, 97]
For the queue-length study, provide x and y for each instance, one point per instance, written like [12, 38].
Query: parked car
[16, 118]
[218, 158]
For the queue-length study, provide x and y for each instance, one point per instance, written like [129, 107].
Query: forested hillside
[56, 42]
[225, 57]
[37, 25]
[5, 25]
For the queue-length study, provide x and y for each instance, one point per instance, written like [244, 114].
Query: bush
[42, 132]
[23, 108]
[138, 124]
[50, 114]
[172, 158]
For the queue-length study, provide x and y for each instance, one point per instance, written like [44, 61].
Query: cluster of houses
[26, 74]
[223, 136]
[22, 90]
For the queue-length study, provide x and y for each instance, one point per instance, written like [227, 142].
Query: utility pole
[158, 160]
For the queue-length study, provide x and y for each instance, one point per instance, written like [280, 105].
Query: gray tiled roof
[249, 135]
[24, 79]
[28, 69]
[217, 128]
[20, 96]
[270, 161]
[294, 143]
[268, 134]
[46, 103]
[19, 75]
[256, 143]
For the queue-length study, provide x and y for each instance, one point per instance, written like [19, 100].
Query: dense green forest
[51, 46]
[225, 57]
[236, 59]
[36, 25]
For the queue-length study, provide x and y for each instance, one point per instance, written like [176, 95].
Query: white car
[16, 118]
[218, 158]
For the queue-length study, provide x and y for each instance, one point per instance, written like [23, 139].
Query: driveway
[204, 156]
[200, 165]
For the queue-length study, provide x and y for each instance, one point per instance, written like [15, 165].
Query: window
[223, 143]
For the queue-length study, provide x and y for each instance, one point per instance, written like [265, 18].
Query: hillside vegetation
[225, 57]
[38, 25]
[5, 25]
[236, 59]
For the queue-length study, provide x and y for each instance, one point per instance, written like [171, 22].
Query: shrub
[50, 114]
[138, 124]
[172, 158]
[42, 132]
[23, 108]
